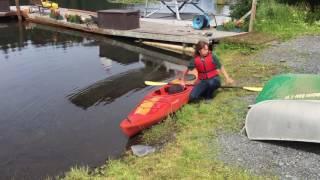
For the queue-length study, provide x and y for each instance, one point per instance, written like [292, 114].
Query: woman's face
[204, 51]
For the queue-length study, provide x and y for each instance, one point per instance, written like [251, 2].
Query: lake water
[63, 96]
[64, 93]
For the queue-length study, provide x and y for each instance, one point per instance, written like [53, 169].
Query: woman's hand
[229, 80]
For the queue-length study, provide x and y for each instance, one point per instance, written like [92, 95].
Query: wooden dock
[8, 14]
[154, 30]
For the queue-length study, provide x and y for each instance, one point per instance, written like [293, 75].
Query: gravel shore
[301, 54]
[288, 160]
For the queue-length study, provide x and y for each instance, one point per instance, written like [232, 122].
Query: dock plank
[150, 30]
[7, 14]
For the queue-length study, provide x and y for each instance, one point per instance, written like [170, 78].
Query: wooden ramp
[149, 29]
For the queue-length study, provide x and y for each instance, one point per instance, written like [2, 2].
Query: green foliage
[283, 20]
[73, 18]
[240, 8]
[160, 134]
[311, 4]
[312, 7]
[313, 17]
[229, 26]
[54, 14]
[78, 173]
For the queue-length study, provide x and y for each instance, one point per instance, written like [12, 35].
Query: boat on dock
[157, 105]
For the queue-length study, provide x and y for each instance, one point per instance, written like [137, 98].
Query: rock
[142, 150]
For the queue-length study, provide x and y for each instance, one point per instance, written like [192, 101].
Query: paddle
[255, 89]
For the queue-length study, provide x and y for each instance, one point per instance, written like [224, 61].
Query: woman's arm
[221, 68]
[226, 76]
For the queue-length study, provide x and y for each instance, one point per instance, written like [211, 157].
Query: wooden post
[253, 15]
[18, 10]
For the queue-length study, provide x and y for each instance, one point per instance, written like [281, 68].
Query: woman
[209, 67]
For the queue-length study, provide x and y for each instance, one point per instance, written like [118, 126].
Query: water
[64, 93]
[63, 96]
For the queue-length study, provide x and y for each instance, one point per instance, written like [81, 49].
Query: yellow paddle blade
[256, 89]
[152, 83]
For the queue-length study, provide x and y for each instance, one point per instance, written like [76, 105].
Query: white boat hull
[288, 120]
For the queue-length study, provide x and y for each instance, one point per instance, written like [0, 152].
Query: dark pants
[205, 89]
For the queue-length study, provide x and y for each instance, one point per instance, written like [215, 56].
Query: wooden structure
[118, 19]
[253, 15]
[5, 9]
[4, 6]
[148, 30]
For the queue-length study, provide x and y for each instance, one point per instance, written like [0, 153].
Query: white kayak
[288, 120]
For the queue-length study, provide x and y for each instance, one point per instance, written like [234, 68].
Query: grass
[284, 21]
[192, 154]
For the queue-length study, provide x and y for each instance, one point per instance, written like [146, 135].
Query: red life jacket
[206, 68]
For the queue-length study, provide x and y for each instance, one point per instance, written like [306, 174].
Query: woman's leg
[197, 91]
[213, 84]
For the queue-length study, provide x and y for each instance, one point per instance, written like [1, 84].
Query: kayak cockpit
[170, 90]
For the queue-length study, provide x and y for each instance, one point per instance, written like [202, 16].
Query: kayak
[158, 104]
[288, 120]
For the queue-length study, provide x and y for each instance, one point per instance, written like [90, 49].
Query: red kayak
[157, 105]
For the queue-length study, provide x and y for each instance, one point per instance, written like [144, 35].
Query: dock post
[18, 10]
[253, 15]
[184, 46]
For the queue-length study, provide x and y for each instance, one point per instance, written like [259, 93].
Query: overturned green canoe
[291, 86]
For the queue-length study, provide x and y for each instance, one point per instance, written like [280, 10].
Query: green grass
[284, 21]
[192, 154]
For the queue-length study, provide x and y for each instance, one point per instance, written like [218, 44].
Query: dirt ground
[288, 160]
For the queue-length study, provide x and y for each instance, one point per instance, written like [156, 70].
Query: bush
[312, 17]
[73, 18]
[313, 5]
[282, 20]
[54, 14]
[240, 8]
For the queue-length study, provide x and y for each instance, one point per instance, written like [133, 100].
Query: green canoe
[291, 86]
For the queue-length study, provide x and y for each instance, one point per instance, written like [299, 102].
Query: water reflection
[107, 90]
[63, 95]
[15, 37]
[82, 4]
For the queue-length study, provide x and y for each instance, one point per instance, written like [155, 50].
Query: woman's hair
[199, 46]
